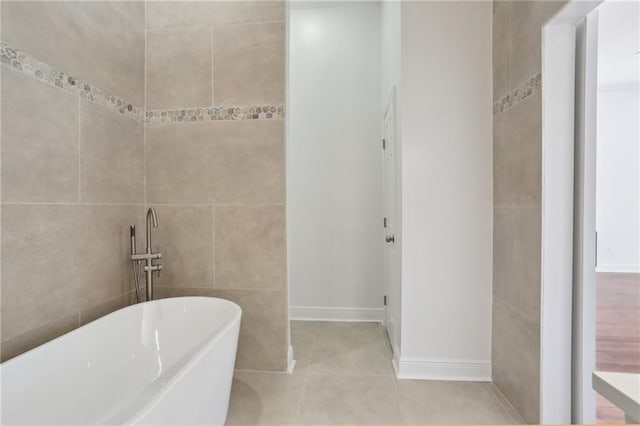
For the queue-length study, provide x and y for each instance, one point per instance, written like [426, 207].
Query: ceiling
[619, 44]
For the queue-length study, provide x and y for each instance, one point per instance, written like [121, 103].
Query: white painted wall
[618, 180]
[334, 165]
[446, 190]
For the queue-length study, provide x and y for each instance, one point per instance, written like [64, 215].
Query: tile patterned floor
[343, 375]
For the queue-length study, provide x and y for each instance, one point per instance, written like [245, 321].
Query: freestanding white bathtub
[169, 361]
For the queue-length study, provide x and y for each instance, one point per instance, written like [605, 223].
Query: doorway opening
[581, 300]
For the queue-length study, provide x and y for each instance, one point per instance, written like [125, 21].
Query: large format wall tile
[527, 18]
[112, 156]
[16, 345]
[103, 308]
[500, 51]
[517, 177]
[223, 162]
[517, 154]
[185, 238]
[90, 40]
[250, 247]
[250, 162]
[516, 360]
[60, 259]
[179, 68]
[171, 14]
[516, 259]
[39, 141]
[161, 292]
[263, 330]
[134, 9]
[180, 162]
[249, 62]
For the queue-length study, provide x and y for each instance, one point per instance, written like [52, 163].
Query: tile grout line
[55, 203]
[489, 389]
[224, 24]
[306, 375]
[506, 404]
[394, 379]
[513, 206]
[213, 247]
[210, 287]
[144, 109]
[509, 67]
[395, 387]
[131, 19]
[514, 311]
[79, 151]
[211, 40]
[45, 203]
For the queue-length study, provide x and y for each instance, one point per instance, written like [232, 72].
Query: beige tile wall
[72, 171]
[219, 186]
[517, 190]
[96, 41]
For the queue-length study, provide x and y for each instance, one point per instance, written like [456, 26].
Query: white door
[389, 221]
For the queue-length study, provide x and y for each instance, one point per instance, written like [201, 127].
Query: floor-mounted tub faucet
[148, 256]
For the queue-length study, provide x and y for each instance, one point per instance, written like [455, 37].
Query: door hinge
[596, 256]
[385, 300]
[384, 144]
[384, 222]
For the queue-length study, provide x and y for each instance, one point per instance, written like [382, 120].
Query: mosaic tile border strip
[186, 115]
[29, 65]
[518, 94]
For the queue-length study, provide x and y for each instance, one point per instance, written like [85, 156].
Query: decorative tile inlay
[518, 94]
[259, 112]
[29, 65]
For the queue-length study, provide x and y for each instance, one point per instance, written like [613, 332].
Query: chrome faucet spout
[149, 256]
[152, 218]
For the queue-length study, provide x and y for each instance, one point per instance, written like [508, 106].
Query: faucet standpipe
[149, 256]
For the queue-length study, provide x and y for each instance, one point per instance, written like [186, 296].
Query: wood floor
[617, 332]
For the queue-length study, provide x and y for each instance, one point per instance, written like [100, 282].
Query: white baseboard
[313, 313]
[626, 269]
[433, 369]
[291, 362]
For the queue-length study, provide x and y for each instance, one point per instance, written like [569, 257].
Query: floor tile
[264, 398]
[343, 375]
[517, 419]
[425, 401]
[332, 399]
[303, 337]
[351, 348]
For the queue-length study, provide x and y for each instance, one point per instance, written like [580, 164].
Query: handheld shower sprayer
[136, 264]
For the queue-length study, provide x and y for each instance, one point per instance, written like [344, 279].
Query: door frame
[558, 301]
[391, 108]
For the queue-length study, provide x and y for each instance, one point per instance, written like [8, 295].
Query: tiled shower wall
[214, 161]
[72, 163]
[79, 164]
[517, 144]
